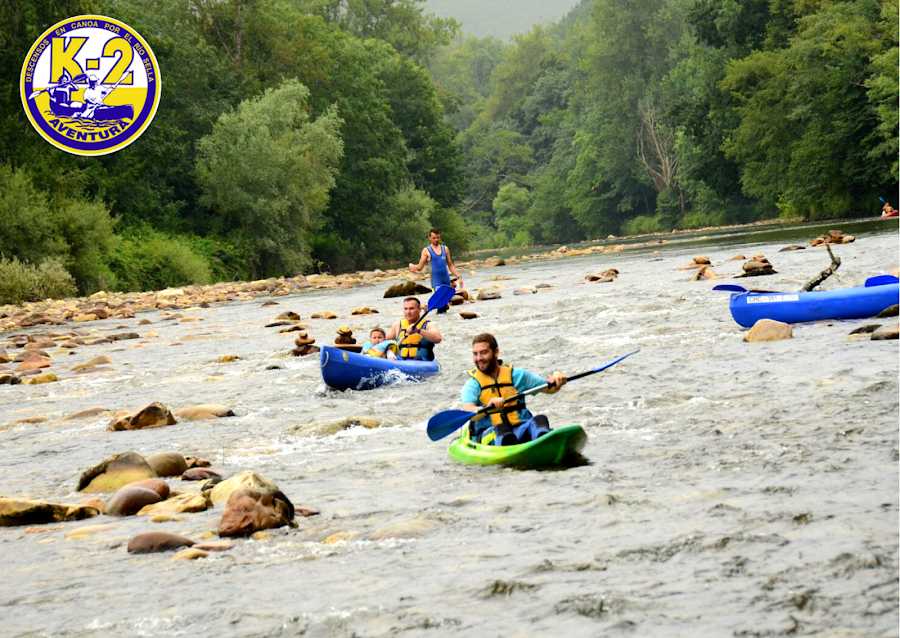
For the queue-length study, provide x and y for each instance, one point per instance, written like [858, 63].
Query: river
[734, 489]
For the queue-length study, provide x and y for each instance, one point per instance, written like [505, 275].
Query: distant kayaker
[441, 263]
[415, 335]
[378, 345]
[490, 383]
[887, 210]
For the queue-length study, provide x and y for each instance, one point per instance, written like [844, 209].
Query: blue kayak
[342, 370]
[796, 307]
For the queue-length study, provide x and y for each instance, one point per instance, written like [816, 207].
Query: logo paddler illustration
[90, 85]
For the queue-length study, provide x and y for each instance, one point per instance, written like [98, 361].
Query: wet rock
[405, 289]
[9, 379]
[341, 537]
[89, 531]
[156, 484]
[33, 363]
[301, 351]
[4, 357]
[204, 412]
[792, 247]
[196, 461]
[84, 318]
[15, 511]
[246, 480]
[152, 415]
[487, 295]
[115, 472]
[527, 290]
[704, 274]
[214, 546]
[129, 500]
[199, 474]
[325, 314]
[151, 542]
[493, 262]
[887, 332]
[768, 330]
[181, 504]
[468, 315]
[703, 260]
[85, 414]
[250, 510]
[144, 322]
[404, 529]
[888, 312]
[862, 330]
[364, 310]
[48, 377]
[96, 361]
[288, 315]
[327, 428]
[228, 358]
[456, 300]
[190, 553]
[167, 464]
[124, 336]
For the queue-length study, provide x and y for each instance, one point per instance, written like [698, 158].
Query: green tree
[267, 170]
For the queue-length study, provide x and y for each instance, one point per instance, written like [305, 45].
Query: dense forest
[297, 136]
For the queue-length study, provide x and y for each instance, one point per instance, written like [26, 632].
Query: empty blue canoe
[344, 370]
[860, 302]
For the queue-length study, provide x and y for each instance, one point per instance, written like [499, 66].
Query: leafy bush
[20, 281]
[150, 260]
[697, 219]
[642, 225]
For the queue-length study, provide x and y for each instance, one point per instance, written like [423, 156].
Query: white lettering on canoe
[772, 298]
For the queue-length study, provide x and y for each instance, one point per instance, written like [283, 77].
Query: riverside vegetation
[349, 128]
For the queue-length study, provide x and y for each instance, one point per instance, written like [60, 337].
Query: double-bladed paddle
[448, 421]
[881, 280]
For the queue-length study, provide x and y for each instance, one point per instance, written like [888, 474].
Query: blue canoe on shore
[748, 307]
[342, 370]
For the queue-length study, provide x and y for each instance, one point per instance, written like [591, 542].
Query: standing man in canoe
[441, 263]
[490, 383]
[415, 335]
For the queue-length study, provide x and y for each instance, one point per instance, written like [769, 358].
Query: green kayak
[554, 448]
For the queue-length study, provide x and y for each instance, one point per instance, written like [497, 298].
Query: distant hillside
[500, 18]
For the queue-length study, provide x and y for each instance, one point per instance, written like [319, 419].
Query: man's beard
[486, 366]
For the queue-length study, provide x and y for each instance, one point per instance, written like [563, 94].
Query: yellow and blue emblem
[90, 85]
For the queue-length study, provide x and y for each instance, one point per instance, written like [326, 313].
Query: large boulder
[168, 464]
[768, 330]
[117, 471]
[405, 289]
[152, 415]
[150, 542]
[246, 480]
[21, 511]
[887, 332]
[181, 504]
[129, 500]
[249, 511]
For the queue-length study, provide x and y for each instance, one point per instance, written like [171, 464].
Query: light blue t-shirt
[522, 380]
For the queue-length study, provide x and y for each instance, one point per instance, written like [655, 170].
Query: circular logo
[90, 85]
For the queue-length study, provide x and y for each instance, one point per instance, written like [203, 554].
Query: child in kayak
[491, 383]
[378, 346]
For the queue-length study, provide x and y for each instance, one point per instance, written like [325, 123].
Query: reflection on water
[735, 488]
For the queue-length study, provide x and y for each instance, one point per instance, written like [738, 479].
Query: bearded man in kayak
[415, 336]
[441, 263]
[491, 382]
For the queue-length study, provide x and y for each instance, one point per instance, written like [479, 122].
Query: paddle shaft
[552, 384]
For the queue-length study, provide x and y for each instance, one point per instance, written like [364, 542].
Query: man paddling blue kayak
[491, 383]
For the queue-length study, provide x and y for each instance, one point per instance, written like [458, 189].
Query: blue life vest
[440, 275]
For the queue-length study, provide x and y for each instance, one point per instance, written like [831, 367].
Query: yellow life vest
[502, 386]
[411, 344]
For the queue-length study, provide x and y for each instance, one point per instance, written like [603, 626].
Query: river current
[734, 489]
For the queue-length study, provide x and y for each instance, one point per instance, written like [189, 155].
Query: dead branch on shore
[825, 274]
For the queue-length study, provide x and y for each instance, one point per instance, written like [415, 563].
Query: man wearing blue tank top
[441, 264]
